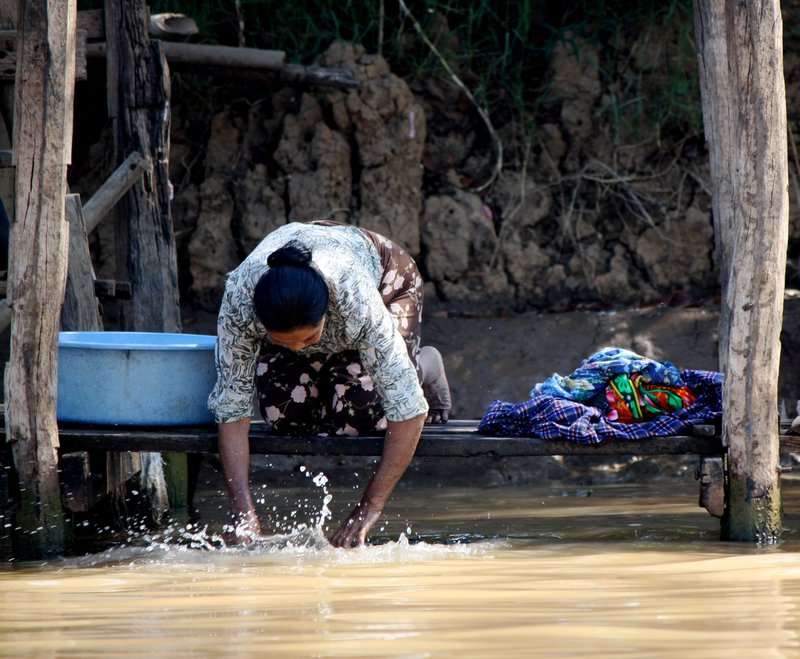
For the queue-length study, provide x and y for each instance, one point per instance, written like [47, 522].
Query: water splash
[193, 545]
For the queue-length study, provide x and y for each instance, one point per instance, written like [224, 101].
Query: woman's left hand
[353, 530]
[398, 449]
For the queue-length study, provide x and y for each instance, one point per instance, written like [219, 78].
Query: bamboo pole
[225, 56]
[247, 60]
[37, 276]
[740, 54]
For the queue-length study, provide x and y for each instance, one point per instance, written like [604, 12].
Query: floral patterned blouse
[357, 319]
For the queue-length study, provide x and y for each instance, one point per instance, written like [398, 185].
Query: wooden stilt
[37, 276]
[744, 108]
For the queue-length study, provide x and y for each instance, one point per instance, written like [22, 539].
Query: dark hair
[291, 293]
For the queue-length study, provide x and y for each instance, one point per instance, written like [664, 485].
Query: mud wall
[581, 215]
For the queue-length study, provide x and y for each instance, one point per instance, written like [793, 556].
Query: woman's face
[299, 337]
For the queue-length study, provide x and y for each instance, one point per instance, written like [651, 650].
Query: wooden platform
[455, 439]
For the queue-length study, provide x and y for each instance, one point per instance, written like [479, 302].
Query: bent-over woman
[321, 322]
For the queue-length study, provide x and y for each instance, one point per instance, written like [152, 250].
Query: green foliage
[500, 48]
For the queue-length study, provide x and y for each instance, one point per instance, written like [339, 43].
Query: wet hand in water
[245, 530]
[353, 530]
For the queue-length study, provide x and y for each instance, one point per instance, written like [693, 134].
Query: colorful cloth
[588, 383]
[575, 407]
[631, 398]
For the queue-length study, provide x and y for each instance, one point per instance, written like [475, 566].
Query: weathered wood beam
[740, 54]
[205, 55]
[9, 56]
[80, 311]
[459, 440]
[103, 288]
[36, 280]
[113, 189]
[432, 444]
[244, 60]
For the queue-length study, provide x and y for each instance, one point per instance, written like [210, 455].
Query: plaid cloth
[554, 417]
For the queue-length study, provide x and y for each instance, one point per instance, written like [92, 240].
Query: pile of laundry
[614, 394]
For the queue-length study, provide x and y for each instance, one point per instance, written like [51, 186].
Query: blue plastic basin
[135, 378]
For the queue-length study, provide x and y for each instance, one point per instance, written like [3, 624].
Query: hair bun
[292, 253]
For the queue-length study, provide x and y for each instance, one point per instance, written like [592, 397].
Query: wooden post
[740, 53]
[37, 276]
[138, 102]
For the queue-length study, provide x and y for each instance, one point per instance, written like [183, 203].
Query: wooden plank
[457, 440]
[436, 441]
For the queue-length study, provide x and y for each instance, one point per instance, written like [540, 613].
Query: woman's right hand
[234, 455]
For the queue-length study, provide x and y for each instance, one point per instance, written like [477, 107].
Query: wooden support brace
[115, 186]
[80, 310]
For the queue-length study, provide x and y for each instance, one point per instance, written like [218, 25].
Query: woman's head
[291, 294]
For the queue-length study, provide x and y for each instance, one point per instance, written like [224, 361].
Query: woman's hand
[244, 530]
[398, 449]
[234, 454]
[353, 531]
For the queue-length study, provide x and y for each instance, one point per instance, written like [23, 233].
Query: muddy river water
[631, 570]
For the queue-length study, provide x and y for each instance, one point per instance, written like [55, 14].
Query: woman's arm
[398, 449]
[234, 454]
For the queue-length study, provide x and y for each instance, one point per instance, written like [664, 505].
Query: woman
[323, 320]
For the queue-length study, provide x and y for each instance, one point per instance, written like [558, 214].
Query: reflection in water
[632, 570]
